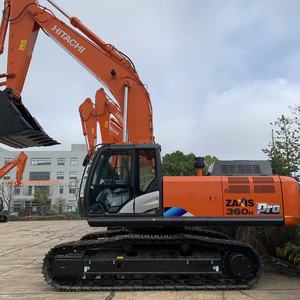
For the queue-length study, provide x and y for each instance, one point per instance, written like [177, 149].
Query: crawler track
[134, 260]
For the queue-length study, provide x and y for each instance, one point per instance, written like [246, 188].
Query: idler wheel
[240, 265]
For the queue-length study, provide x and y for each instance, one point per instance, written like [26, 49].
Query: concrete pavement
[24, 244]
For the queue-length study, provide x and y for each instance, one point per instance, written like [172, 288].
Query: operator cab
[124, 181]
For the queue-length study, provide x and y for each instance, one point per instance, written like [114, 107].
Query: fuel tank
[261, 200]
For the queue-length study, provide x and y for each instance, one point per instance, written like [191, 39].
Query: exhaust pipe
[18, 129]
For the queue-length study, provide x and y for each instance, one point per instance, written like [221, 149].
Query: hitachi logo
[66, 37]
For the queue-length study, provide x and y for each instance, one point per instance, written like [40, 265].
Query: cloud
[218, 72]
[239, 118]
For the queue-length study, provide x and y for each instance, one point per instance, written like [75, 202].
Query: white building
[58, 173]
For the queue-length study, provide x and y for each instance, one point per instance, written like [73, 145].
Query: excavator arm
[23, 19]
[20, 163]
[108, 115]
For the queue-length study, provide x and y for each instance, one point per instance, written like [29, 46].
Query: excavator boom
[23, 19]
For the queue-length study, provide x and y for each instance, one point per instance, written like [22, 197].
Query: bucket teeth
[18, 129]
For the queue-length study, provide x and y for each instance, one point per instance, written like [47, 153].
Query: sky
[218, 72]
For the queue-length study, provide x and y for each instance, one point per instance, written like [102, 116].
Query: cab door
[147, 181]
[125, 180]
[147, 199]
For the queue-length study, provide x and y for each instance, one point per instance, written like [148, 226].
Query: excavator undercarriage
[130, 259]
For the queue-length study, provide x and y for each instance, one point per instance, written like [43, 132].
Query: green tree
[284, 152]
[40, 198]
[179, 164]
[284, 149]
[60, 205]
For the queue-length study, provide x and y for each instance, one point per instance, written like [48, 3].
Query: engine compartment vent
[240, 168]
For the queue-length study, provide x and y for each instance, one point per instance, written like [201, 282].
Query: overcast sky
[218, 72]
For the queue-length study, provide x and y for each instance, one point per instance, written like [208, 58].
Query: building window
[36, 176]
[74, 161]
[61, 161]
[30, 190]
[17, 206]
[28, 204]
[72, 190]
[73, 175]
[7, 176]
[61, 189]
[7, 160]
[17, 191]
[41, 161]
[44, 188]
[60, 175]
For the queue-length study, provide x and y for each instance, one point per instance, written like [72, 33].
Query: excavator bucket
[18, 128]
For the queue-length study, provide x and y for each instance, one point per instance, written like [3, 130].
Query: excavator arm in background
[19, 162]
[107, 115]
[23, 19]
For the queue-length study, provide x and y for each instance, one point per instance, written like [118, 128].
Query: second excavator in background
[20, 163]
[158, 243]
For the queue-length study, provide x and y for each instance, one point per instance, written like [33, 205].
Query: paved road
[23, 245]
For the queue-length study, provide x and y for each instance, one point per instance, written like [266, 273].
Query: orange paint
[105, 62]
[234, 197]
[20, 163]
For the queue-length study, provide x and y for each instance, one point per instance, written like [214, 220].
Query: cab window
[147, 168]
[111, 182]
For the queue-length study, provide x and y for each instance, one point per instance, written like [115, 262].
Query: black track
[213, 241]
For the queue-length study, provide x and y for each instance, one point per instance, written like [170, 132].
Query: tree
[60, 206]
[40, 198]
[8, 194]
[284, 152]
[179, 164]
[284, 149]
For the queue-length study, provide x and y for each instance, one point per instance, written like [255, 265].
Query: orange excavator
[154, 241]
[19, 162]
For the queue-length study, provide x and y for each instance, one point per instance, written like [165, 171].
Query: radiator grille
[238, 180]
[264, 189]
[239, 189]
[263, 180]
